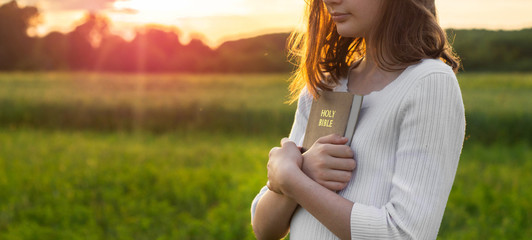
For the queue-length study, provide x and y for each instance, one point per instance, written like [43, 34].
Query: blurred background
[137, 119]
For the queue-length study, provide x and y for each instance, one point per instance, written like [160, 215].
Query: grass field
[111, 156]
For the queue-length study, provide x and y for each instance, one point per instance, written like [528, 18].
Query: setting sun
[213, 19]
[199, 8]
[153, 5]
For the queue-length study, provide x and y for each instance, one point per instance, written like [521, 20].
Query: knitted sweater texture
[407, 145]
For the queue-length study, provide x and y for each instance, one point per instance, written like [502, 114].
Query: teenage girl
[394, 180]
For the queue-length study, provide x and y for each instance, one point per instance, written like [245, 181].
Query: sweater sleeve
[296, 134]
[301, 117]
[431, 125]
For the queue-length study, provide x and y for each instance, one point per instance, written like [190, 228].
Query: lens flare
[153, 5]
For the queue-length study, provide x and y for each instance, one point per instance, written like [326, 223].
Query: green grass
[86, 185]
[157, 103]
[496, 104]
[83, 185]
[497, 93]
[234, 92]
[491, 195]
[113, 156]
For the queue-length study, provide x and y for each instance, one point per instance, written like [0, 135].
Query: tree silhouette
[54, 51]
[153, 49]
[85, 39]
[16, 47]
[92, 47]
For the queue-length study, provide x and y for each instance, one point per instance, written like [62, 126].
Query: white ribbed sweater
[407, 145]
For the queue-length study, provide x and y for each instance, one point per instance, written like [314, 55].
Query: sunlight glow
[153, 5]
[184, 8]
[221, 20]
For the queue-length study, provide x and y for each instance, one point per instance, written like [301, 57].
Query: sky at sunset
[218, 20]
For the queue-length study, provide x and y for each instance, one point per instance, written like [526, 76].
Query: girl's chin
[345, 32]
[349, 30]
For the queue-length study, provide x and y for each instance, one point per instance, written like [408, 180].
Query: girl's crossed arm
[286, 177]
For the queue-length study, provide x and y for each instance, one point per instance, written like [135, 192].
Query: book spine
[353, 118]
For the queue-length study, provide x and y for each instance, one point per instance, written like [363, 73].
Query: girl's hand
[282, 162]
[329, 162]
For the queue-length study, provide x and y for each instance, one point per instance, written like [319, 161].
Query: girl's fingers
[287, 142]
[340, 151]
[337, 176]
[332, 139]
[271, 188]
[273, 151]
[337, 180]
[343, 164]
[334, 186]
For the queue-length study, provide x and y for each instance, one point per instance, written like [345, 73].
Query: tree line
[92, 47]
[494, 51]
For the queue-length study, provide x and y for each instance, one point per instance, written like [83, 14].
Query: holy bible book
[332, 112]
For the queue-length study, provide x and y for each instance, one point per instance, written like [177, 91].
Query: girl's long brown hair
[407, 32]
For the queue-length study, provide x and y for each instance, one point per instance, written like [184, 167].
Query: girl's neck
[367, 76]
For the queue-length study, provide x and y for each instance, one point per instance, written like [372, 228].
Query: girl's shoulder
[429, 66]
[430, 78]
[428, 75]
[428, 70]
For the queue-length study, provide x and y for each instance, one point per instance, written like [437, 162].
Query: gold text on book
[327, 113]
[324, 122]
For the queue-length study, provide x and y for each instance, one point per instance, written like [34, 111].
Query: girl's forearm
[332, 210]
[272, 216]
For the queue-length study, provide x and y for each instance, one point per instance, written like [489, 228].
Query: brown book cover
[332, 112]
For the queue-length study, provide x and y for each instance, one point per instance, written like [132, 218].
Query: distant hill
[266, 53]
